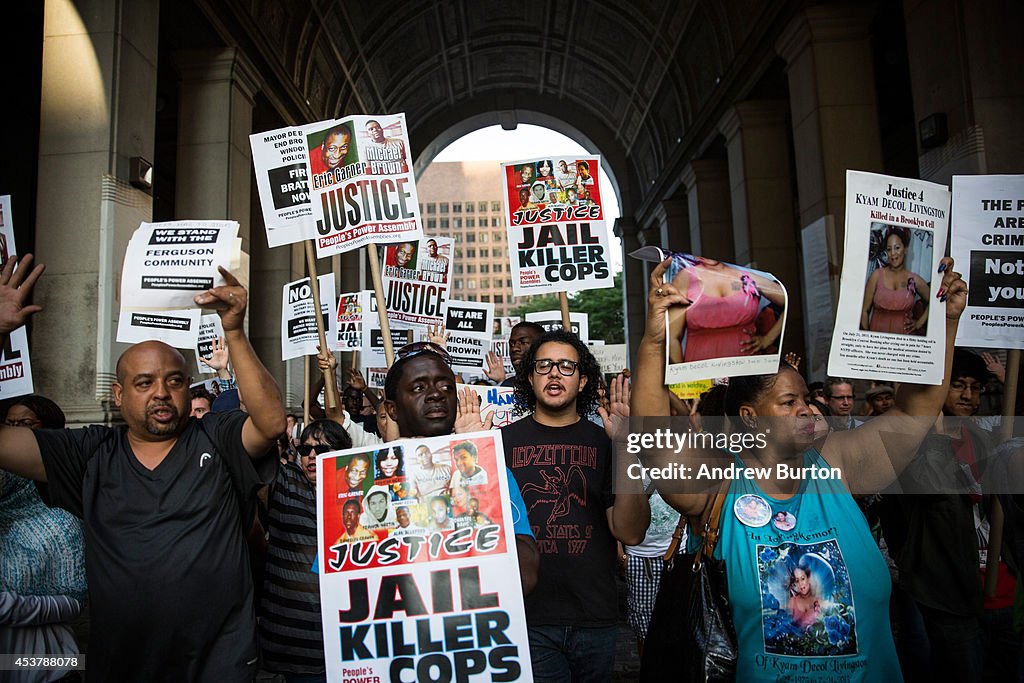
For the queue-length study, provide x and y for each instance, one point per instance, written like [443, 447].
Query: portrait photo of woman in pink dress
[732, 312]
[895, 297]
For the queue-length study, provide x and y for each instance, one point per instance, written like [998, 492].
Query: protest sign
[468, 325]
[15, 366]
[417, 282]
[889, 325]
[691, 390]
[351, 306]
[987, 244]
[374, 376]
[612, 358]
[733, 325]
[417, 562]
[373, 337]
[557, 234]
[361, 186]
[552, 320]
[298, 326]
[210, 328]
[177, 328]
[498, 400]
[279, 158]
[166, 264]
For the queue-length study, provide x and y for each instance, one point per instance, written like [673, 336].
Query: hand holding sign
[229, 300]
[660, 296]
[953, 290]
[15, 289]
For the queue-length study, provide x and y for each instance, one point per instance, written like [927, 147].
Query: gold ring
[659, 291]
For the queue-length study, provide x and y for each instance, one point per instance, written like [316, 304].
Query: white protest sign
[373, 338]
[419, 562]
[889, 324]
[298, 326]
[15, 365]
[552, 320]
[279, 159]
[166, 264]
[498, 400]
[361, 185]
[468, 325]
[734, 324]
[417, 282]
[177, 328]
[987, 244]
[612, 358]
[210, 328]
[558, 238]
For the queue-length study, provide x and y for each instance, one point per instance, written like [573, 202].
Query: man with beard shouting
[163, 499]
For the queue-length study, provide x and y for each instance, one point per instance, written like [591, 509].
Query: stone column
[707, 191]
[832, 99]
[762, 198]
[675, 233]
[214, 168]
[97, 110]
[634, 284]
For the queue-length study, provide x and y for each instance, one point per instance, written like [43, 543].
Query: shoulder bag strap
[711, 528]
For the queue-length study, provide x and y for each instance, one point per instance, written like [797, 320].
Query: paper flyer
[298, 326]
[279, 159]
[552, 320]
[166, 264]
[361, 185]
[417, 282]
[558, 238]
[177, 328]
[612, 358]
[889, 324]
[417, 562]
[15, 365]
[468, 325]
[210, 328]
[734, 324]
[987, 244]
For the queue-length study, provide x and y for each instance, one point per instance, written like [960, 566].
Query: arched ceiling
[633, 78]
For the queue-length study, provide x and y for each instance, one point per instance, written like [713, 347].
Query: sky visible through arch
[527, 141]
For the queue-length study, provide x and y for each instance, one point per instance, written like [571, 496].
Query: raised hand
[617, 414]
[993, 365]
[468, 416]
[660, 297]
[229, 300]
[355, 379]
[794, 360]
[953, 290]
[219, 355]
[15, 289]
[495, 370]
[438, 335]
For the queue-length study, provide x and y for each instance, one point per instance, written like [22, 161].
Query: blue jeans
[572, 653]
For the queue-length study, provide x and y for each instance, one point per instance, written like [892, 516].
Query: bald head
[143, 349]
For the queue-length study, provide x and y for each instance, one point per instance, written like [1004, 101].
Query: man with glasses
[840, 398]
[420, 397]
[291, 635]
[564, 464]
[934, 536]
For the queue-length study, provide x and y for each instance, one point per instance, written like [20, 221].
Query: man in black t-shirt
[563, 463]
[164, 501]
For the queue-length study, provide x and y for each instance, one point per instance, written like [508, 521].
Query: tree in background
[602, 306]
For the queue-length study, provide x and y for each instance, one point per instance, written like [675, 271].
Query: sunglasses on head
[307, 448]
[417, 348]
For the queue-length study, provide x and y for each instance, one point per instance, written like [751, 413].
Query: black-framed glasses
[305, 449]
[958, 385]
[566, 368]
[416, 348]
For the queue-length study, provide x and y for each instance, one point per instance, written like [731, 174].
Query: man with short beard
[162, 500]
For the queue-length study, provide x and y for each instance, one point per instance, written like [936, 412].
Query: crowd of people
[187, 537]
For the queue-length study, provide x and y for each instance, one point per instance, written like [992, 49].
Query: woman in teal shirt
[808, 587]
